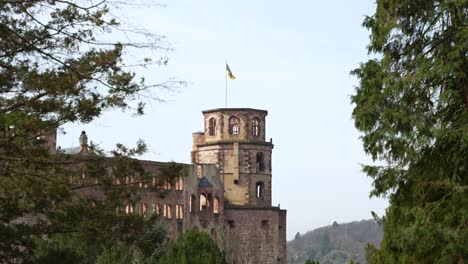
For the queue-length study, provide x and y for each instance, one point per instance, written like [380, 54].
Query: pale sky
[291, 58]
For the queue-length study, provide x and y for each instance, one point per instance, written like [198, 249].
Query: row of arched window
[165, 210]
[177, 184]
[234, 126]
[206, 203]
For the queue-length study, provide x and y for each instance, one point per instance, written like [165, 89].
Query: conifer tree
[58, 65]
[193, 247]
[411, 105]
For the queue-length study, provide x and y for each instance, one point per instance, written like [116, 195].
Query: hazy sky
[291, 58]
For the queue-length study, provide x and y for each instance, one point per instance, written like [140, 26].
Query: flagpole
[225, 76]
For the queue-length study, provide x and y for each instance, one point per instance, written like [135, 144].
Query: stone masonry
[226, 190]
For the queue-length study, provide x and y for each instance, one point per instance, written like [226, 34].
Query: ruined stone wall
[226, 167]
[255, 235]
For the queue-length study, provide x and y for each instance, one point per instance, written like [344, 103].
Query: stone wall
[255, 235]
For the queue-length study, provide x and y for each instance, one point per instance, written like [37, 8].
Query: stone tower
[234, 140]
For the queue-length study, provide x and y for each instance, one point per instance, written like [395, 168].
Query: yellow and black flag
[229, 73]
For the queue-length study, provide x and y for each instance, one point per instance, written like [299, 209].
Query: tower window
[259, 189]
[260, 162]
[255, 127]
[234, 125]
[212, 127]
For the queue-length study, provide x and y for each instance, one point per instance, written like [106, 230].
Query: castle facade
[227, 190]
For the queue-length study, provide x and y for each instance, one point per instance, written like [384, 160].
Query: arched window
[216, 205]
[260, 162]
[212, 127]
[203, 202]
[192, 203]
[234, 125]
[259, 189]
[255, 127]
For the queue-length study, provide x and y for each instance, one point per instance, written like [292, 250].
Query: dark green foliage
[412, 107]
[311, 262]
[337, 243]
[74, 248]
[54, 69]
[151, 243]
[193, 247]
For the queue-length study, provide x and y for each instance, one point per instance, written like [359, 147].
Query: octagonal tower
[234, 140]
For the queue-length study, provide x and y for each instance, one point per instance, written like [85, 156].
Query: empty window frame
[143, 208]
[260, 162]
[216, 205]
[234, 125]
[167, 211]
[116, 180]
[179, 211]
[167, 185]
[129, 208]
[192, 203]
[203, 202]
[256, 127]
[179, 184]
[259, 189]
[129, 180]
[212, 127]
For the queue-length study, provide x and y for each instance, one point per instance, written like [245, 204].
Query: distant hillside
[335, 244]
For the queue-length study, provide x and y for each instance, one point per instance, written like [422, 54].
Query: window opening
[203, 202]
[129, 208]
[259, 189]
[192, 203]
[216, 205]
[179, 185]
[179, 211]
[260, 163]
[234, 125]
[167, 211]
[212, 127]
[143, 208]
[255, 127]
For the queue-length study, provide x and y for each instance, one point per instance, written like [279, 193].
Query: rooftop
[233, 109]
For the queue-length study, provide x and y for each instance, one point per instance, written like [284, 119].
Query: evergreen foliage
[193, 247]
[411, 105]
[59, 248]
[57, 68]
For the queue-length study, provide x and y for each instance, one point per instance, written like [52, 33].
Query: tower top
[232, 124]
[265, 112]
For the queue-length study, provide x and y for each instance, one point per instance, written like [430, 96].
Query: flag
[229, 73]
